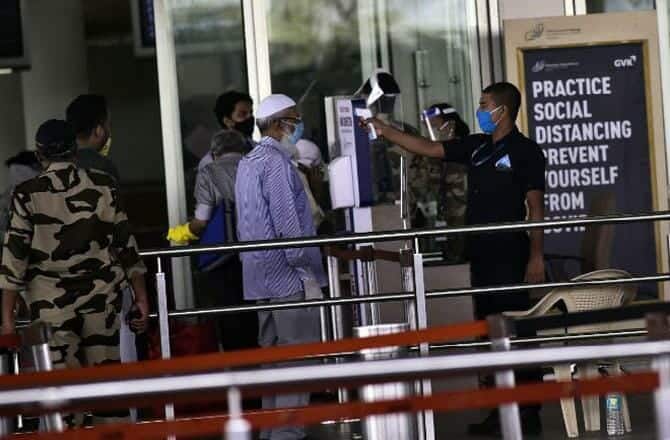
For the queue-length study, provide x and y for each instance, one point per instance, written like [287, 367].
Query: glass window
[314, 53]
[596, 6]
[211, 59]
[321, 48]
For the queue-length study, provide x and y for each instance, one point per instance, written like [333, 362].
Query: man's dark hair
[506, 94]
[225, 104]
[461, 130]
[86, 112]
[228, 141]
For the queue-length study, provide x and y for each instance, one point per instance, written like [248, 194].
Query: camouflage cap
[55, 138]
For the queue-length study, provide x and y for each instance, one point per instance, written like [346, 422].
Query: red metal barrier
[441, 402]
[242, 358]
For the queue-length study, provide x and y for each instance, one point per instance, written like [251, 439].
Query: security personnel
[505, 184]
[68, 247]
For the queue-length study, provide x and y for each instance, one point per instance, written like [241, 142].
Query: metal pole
[335, 292]
[203, 382]
[237, 428]
[324, 321]
[365, 310]
[407, 274]
[657, 325]
[510, 420]
[5, 423]
[163, 325]
[371, 269]
[336, 315]
[42, 362]
[400, 235]
[17, 367]
[424, 349]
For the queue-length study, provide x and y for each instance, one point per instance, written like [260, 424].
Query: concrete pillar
[55, 35]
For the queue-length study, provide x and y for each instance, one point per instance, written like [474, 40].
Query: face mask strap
[494, 111]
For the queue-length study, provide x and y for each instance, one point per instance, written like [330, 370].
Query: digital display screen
[11, 31]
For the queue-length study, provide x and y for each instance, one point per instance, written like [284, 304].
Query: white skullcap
[309, 153]
[272, 105]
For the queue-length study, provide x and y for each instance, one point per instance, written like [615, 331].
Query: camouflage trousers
[84, 340]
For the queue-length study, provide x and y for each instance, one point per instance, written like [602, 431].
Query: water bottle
[613, 404]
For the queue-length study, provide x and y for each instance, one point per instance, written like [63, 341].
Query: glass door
[320, 48]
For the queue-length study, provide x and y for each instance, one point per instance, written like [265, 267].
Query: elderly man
[272, 204]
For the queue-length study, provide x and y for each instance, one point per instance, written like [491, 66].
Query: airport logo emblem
[625, 62]
[535, 33]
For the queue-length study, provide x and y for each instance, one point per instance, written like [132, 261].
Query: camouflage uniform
[68, 246]
[438, 194]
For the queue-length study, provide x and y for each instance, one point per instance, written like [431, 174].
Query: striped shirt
[272, 204]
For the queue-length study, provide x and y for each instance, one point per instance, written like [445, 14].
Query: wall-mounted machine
[367, 174]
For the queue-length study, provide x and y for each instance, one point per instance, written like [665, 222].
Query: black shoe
[531, 424]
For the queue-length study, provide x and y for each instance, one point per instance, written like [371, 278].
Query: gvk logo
[625, 62]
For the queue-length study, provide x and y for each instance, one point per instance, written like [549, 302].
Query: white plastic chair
[579, 299]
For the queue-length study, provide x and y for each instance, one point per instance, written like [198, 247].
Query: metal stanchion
[657, 324]
[17, 367]
[362, 289]
[335, 292]
[336, 315]
[510, 419]
[163, 324]
[37, 338]
[324, 321]
[400, 426]
[370, 271]
[407, 273]
[237, 428]
[424, 349]
[5, 423]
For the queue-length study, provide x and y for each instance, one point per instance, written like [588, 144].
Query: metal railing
[399, 235]
[355, 373]
[417, 298]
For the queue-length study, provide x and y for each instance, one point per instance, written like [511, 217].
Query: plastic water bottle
[613, 403]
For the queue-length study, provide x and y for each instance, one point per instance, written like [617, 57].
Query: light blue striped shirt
[272, 204]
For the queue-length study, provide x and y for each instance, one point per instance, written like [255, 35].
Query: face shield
[440, 127]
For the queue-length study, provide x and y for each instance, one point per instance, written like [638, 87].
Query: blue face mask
[485, 120]
[298, 131]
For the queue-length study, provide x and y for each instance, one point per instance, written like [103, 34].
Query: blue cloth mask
[297, 133]
[485, 120]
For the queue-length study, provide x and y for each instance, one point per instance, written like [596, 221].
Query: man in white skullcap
[272, 204]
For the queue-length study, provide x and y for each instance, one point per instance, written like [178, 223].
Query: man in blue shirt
[272, 204]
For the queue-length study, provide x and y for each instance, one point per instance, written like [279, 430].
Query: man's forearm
[536, 214]
[537, 243]
[197, 226]
[139, 287]
[414, 144]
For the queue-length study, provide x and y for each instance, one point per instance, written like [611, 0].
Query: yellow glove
[181, 235]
